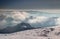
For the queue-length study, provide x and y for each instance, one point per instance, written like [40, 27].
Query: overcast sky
[30, 4]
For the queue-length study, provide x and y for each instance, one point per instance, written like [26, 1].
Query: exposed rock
[52, 29]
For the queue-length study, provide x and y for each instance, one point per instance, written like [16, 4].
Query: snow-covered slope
[41, 33]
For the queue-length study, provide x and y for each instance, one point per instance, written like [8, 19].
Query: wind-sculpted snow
[41, 33]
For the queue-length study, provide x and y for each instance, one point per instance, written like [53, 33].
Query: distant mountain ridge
[26, 26]
[18, 27]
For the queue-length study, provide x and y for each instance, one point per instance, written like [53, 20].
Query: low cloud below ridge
[15, 17]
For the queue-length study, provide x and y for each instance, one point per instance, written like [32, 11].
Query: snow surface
[41, 33]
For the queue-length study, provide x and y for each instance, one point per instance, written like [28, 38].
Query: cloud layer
[36, 19]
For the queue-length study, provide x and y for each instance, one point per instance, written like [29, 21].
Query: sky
[29, 4]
